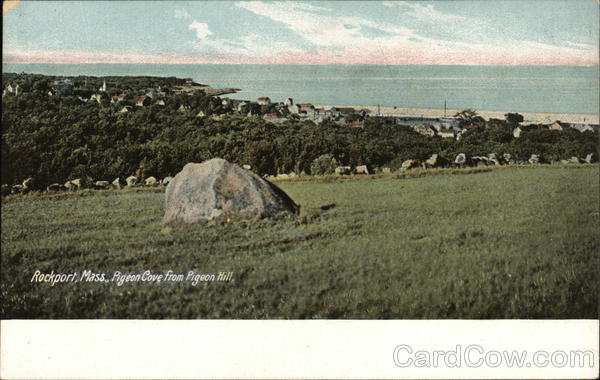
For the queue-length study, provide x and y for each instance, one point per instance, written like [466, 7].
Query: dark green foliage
[57, 138]
[323, 165]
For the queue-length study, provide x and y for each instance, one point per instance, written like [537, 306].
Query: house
[103, 87]
[241, 105]
[582, 127]
[142, 101]
[155, 92]
[160, 102]
[117, 98]
[177, 90]
[557, 126]
[306, 107]
[264, 101]
[13, 90]
[96, 97]
[125, 109]
[437, 123]
[183, 108]
[342, 111]
[424, 129]
[288, 102]
[63, 82]
[446, 133]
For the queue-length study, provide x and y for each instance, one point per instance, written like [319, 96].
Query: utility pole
[378, 110]
[444, 107]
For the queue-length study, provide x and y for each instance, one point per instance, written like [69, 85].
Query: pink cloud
[527, 54]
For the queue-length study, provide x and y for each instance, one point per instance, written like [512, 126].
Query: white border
[221, 349]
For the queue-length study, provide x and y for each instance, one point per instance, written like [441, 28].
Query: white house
[264, 101]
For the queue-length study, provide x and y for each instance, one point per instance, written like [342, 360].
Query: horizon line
[301, 64]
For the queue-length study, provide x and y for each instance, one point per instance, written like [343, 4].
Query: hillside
[513, 243]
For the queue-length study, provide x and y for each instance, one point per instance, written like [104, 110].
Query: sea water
[556, 89]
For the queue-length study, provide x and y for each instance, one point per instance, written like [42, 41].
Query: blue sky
[560, 32]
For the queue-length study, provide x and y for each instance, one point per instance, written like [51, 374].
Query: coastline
[529, 117]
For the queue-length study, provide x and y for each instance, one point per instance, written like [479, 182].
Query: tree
[324, 164]
[514, 119]
[466, 117]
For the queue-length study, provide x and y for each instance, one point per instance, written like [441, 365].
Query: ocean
[553, 89]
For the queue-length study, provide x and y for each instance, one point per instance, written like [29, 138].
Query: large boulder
[216, 192]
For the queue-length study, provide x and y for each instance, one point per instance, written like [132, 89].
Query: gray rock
[534, 159]
[116, 184]
[54, 187]
[217, 191]
[460, 159]
[151, 181]
[18, 189]
[361, 169]
[339, 170]
[574, 160]
[409, 164]
[5, 189]
[74, 184]
[493, 159]
[432, 161]
[590, 158]
[101, 185]
[165, 181]
[247, 167]
[131, 181]
[28, 183]
[386, 170]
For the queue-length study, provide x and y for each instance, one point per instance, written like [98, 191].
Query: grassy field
[514, 243]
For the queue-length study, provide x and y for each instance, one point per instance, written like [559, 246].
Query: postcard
[299, 178]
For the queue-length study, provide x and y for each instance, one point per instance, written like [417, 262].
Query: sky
[465, 32]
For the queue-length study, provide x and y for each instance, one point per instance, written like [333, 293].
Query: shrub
[324, 164]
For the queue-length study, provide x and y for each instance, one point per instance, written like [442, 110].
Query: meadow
[513, 243]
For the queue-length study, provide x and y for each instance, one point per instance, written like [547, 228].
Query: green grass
[514, 243]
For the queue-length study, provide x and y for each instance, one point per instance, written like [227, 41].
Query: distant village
[271, 111]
